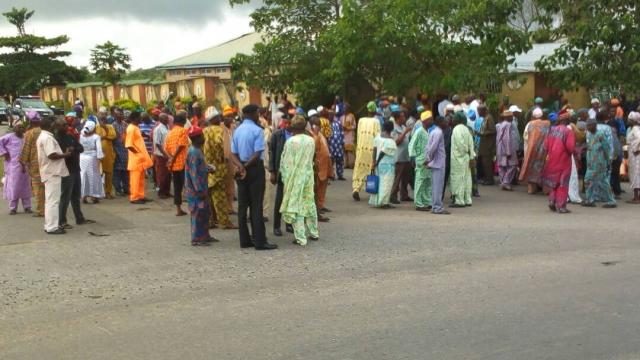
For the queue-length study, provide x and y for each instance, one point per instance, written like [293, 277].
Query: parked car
[4, 111]
[32, 103]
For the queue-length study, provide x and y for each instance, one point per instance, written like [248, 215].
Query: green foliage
[319, 48]
[151, 74]
[27, 64]
[110, 62]
[127, 104]
[601, 46]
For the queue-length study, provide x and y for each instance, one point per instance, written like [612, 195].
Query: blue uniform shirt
[248, 138]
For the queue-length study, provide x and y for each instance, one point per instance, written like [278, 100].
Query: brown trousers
[401, 181]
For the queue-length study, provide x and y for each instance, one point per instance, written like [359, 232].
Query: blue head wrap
[300, 111]
[394, 108]
[471, 114]
[553, 117]
[92, 118]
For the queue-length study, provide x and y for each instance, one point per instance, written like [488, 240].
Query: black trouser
[250, 196]
[615, 177]
[70, 194]
[178, 185]
[277, 217]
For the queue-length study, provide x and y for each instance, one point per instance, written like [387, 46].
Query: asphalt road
[505, 279]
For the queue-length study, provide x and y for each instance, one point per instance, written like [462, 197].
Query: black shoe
[476, 194]
[211, 239]
[289, 228]
[456, 206]
[85, 222]
[552, 207]
[267, 246]
[341, 178]
[58, 231]
[324, 209]
[609, 206]
[66, 227]
[200, 243]
[443, 212]
[426, 208]
[313, 238]
[245, 246]
[394, 201]
[138, 202]
[588, 204]
[356, 196]
[277, 232]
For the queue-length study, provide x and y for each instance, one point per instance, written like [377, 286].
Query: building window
[221, 70]
[208, 71]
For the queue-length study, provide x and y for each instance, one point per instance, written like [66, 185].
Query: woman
[91, 180]
[16, 178]
[349, 127]
[633, 143]
[384, 165]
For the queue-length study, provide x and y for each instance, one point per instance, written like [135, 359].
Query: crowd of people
[282, 157]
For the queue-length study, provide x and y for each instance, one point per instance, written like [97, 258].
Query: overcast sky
[153, 31]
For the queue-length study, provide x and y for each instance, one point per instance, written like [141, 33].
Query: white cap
[312, 113]
[320, 109]
[211, 112]
[450, 107]
[103, 109]
[514, 108]
[595, 101]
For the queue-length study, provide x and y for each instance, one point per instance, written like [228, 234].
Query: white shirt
[47, 145]
[592, 113]
[159, 137]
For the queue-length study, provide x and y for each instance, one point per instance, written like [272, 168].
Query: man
[16, 182]
[401, 134]
[52, 170]
[486, 131]
[146, 129]
[517, 123]
[595, 108]
[322, 166]
[246, 153]
[537, 104]
[336, 145]
[138, 160]
[176, 146]
[435, 160]
[107, 135]
[276, 147]
[298, 206]
[214, 155]
[228, 116]
[163, 176]
[71, 185]
[534, 152]
[599, 159]
[269, 188]
[120, 174]
[559, 146]
[462, 162]
[325, 124]
[506, 151]
[368, 128]
[29, 159]
[422, 179]
[196, 170]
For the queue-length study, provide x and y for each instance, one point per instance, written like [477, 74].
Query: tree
[321, 47]
[28, 65]
[110, 62]
[535, 20]
[601, 44]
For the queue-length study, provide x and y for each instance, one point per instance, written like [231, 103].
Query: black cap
[250, 109]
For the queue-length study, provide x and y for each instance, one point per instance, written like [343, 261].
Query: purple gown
[17, 185]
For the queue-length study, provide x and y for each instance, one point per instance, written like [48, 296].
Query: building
[529, 83]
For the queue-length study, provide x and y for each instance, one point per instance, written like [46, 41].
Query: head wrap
[634, 117]
[89, 126]
[471, 114]
[77, 108]
[298, 123]
[514, 108]
[553, 117]
[537, 113]
[312, 112]
[211, 113]
[299, 111]
[449, 107]
[33, 116]
[320, 109]
[371, 106]
[71, 115]
[538, 100]
[92, 118]
[460, 117]
[506, 114]
[227, 111]
[563, 115]
[426, 115]
[195, 131]
[420, 109]
[394, 108]
[595, 101]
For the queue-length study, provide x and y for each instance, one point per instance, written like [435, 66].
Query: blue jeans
[121, 181]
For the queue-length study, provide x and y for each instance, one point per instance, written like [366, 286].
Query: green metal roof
[219, 55]
[80, 85]
[134, 82]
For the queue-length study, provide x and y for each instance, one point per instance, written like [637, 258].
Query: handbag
[373, 180]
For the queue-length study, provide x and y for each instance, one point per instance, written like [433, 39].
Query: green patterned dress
[299, 206]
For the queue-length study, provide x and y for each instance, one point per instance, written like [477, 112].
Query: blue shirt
[248, 139]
